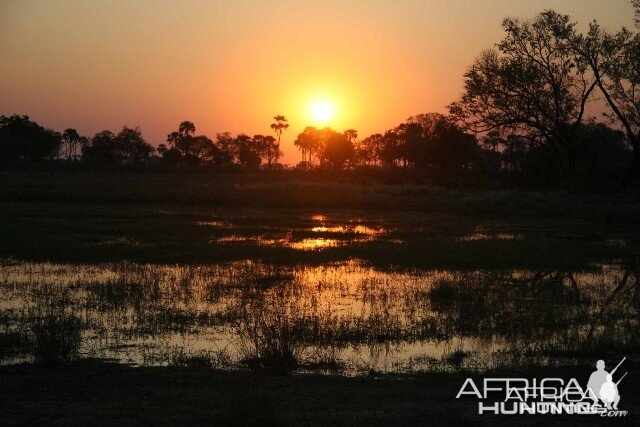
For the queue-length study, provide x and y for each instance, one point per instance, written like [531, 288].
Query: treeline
[424, 142]
[23, 141]
[431, 146]
[522, 120]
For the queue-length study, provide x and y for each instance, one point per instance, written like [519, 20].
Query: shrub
[270, 339]
[56, 338]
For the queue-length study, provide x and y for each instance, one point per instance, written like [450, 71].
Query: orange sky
[232, 65]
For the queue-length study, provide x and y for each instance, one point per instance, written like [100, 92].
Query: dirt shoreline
[96, 393]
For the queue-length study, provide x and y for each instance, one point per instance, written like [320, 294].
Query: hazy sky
[232, 65]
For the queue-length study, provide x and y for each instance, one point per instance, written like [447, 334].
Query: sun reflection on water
[313, 244]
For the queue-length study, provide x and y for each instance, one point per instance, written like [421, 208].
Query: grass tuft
[56, 338]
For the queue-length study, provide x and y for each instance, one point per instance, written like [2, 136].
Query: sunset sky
[232, 65]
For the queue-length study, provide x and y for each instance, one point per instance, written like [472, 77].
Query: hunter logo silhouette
[601, 386]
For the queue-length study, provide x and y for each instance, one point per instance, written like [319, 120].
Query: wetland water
[347, 293]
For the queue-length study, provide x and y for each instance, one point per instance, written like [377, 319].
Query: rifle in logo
[601, 386]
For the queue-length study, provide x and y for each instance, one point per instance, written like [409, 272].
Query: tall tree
[368, 150]
[227, 150]
[309, 143]
[132, 146]
[70, 143]
[102, 149]
[530, 85]
[192, 148]
[614, 61]
[127, 147]
[248, 151]
[279, 125]
[182, 138]
[267, 148]
[337, 148]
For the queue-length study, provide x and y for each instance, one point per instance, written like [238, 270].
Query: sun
[322, 111]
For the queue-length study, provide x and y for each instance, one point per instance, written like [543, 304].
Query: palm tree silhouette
[279, 125]
[71, 138]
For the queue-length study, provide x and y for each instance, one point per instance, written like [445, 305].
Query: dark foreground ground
[94, 393]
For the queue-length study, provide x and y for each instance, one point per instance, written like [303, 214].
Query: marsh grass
[56, 337]
[341, 317]
[269, 339]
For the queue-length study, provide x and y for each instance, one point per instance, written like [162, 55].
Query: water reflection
[344, 316]
[313, 244]
[358, 229]
[482, 233]
[320, 237]
[313, 238]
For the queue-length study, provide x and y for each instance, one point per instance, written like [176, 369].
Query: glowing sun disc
[321, 111]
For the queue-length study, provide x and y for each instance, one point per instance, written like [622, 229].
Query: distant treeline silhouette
[522, 118]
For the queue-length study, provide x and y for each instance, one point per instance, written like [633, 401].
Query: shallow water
[355, 316]
[343, 293]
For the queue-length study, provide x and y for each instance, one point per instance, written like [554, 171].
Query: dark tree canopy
[328, 146]
[266, 147]
[309, 142]
[72, 144]
[441, 143]
[127, 147]
[337, 148]
[530, 85]
[22, 140]
[248, 151]
[614, 61]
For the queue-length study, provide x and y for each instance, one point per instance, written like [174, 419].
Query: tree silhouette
[133, 147]
[162, 148]
[226, 144]
[103, 148]
[127, 147]
[70, 142]
[248, 151]
[267, 148]
[279, 125]
[308, 142]
[614, 60]
[530, 85]
[22, 140]
[337, 148]
[441, 143]
[193, 149]
[367, 150]
[183, 138]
